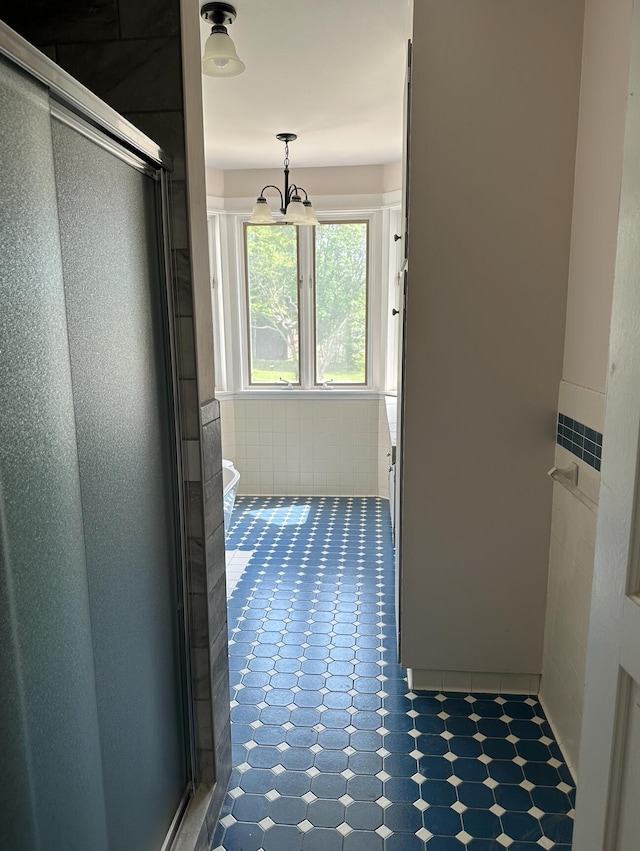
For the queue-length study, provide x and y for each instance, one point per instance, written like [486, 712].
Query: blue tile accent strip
[580, 440]
[331, 749]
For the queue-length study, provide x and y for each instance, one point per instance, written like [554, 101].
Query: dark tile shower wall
[217, 710]
[129, 54]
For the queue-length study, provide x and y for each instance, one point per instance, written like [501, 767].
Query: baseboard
[556, 735]
[473, 681]
[328, 495]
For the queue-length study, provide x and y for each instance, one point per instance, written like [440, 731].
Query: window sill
[294, 393]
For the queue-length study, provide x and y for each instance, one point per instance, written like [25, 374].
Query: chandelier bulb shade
[261, 214]
[220, 58]
[296, 213]
[312, 219]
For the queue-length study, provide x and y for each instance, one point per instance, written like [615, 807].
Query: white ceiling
[331, 71]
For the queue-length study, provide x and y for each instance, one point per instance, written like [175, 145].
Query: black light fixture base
[286, 137]
[221, 14]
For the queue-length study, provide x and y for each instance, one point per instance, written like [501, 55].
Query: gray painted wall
[495, 97]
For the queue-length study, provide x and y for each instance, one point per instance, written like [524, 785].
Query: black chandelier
[293, 208]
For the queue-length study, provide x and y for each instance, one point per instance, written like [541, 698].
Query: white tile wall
[573, 529]
[582, 404]
[328, 447]
[384, 450]
[228, 428]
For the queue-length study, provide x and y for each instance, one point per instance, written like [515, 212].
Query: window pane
[341, 303]
[272, 274]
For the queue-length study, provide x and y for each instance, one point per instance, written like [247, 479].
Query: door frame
[614, 630]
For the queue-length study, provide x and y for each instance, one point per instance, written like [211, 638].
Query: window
[274, 314]
[340, 303]
[307, 304]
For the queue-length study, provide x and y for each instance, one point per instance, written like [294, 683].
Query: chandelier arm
[300, 189]
[272, 186]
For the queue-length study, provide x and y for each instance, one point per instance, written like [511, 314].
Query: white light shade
[312, 219]
[261, 213]
[220, 58]
[296, 214]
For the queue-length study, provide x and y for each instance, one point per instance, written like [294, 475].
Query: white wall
[605, 70]
[603, 92]
[215, 182]
[392, 177]
[337, 180]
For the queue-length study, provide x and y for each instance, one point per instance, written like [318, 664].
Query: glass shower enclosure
[95, 731]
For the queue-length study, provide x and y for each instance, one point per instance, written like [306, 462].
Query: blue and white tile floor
[332, 751]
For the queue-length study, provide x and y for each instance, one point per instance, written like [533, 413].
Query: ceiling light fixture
[293, 208]
[220, 58]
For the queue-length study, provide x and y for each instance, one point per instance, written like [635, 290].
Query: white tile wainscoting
[301, 446]
[573, 531]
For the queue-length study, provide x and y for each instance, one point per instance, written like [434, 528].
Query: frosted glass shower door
[51, 793]
[114, 293]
